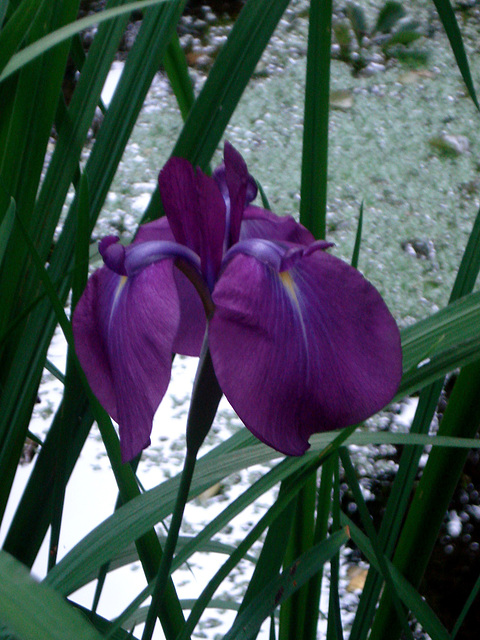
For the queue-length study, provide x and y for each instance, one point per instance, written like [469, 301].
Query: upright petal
[156, 230]
[236, 165]
[196, 212]
[124, 329]
[242, 189]
[307, 349]
[238, 189]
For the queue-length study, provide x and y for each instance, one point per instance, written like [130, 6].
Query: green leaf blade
[49, 616]
[283, 587]
[450, 24]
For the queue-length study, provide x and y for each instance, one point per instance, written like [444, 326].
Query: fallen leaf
[341, 99]
[357, 577]
[412, 76]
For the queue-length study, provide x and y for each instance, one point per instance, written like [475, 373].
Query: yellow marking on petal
[289, 285]
[121, 284]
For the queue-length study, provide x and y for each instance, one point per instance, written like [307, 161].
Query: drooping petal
[191, 291]
[89, 319]
[124, 329]
[261, 223]
[303, 350]
[192, 324]
[196, 212]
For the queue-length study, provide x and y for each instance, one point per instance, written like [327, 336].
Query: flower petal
[192, 324]
[124, 329]
[242, 189]
[156, 230]
[303, 350]
[261, 223]
[238, 189]
[196, 212]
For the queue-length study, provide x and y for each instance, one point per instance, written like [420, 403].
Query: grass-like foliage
[51, 196]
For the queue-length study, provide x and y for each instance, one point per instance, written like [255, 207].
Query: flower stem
[206, 395]
[171, 543]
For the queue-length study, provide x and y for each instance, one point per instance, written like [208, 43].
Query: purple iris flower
[300, 342]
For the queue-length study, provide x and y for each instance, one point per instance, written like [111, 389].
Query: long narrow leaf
[283, 587]
[148, 548]
[324, 504]
[80, 273]
[434, 493]
[358, 238]
[141, 66]
[224, 86]
[334, 625]
[272, 555]
[73, 128]
[3, 10]
[405, 477]
[410, 597]
[49, 616]
[49, 41]
[17, 28]
[313, 203]
[141, 513]
[372, 536]
[287, 468]
[294, 610]
[176, 68]
[280, 504]
[6, 227]
[470, 265]
[397, 505]
[136, 517]
[450, 24]
[227, 80]
[470, 600]
[23, 141]
[130, 554]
